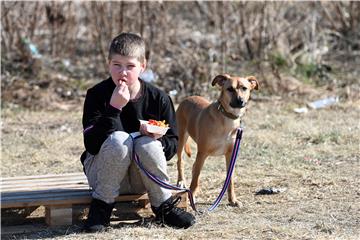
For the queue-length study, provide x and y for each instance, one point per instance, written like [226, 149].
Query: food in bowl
[158, 123]
[154, 126]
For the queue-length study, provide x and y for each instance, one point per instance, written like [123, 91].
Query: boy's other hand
[120, 96]
[144, 131]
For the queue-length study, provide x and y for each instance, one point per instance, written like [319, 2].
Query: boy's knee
[148, 145]
[118, 143]
[150, 148]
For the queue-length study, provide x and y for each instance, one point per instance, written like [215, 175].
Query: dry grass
[315, 156]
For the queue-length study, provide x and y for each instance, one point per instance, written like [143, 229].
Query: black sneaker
[167, 213]
[99, 216]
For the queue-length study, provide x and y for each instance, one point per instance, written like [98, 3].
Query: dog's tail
[187, 149]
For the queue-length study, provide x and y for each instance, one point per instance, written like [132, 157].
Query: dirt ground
[313, 156]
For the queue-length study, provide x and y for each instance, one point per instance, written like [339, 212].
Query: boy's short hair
[129, 45]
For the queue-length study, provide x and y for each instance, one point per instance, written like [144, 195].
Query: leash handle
[160, 182]
[164, 184]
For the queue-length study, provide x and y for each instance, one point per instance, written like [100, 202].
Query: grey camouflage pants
[112, 172]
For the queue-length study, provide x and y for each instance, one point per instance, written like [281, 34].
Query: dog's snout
[238, 103]
[243, 104]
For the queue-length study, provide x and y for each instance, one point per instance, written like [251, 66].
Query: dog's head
[235, 91]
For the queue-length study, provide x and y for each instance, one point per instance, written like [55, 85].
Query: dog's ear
[254, 82]
[220, 79]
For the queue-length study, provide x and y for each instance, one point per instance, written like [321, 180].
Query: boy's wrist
[113, 110]
[116, 107]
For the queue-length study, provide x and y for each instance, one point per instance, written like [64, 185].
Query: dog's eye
[231, 89]
[244, 88]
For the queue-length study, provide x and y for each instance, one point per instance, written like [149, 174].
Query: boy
[112, 111]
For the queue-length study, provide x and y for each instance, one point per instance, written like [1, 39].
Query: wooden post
[58, 215]
[184, 201]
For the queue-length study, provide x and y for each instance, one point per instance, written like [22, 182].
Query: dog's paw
[235, 203]
[181, 184]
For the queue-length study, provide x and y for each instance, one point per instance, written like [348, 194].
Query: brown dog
[212, 126]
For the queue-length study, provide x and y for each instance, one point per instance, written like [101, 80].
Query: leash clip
[239, 133]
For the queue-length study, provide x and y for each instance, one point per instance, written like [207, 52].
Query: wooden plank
[29, 189]
[47, 176]
[37, 183]
[49, 190]
[81, 199]
[45, 195]
[41, 185]
[44, 188]
[43, 178]
[34, 181]
[76, 198]
[64, 194]
[38, 187]
[61, 194]
[46, 202]
[29, 185]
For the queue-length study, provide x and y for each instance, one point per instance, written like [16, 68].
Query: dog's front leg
[196, 169]
[231, 191]
[180, 167]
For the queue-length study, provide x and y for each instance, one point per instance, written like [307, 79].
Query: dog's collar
[223, 111]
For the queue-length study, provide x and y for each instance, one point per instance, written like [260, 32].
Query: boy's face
[125, 69]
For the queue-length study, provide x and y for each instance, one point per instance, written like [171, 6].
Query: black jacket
[100, 119]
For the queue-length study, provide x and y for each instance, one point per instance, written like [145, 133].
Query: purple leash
[191, 199]
[162, 183]
[230, 170]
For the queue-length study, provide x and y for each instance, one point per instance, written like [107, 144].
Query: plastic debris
[66, 62]
[148, 75]
[173, 92]
[301, 110]
[32, 48]
[323, 102]
[270, 190]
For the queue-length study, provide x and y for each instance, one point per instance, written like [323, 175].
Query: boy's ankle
[167, 213]
[99, 216]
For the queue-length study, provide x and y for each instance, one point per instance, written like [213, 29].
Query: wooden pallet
[59, 194]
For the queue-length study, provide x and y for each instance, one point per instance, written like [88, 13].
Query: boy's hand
[144, 131]
[120, 96]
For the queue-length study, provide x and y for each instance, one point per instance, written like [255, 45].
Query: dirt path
[314, 156]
